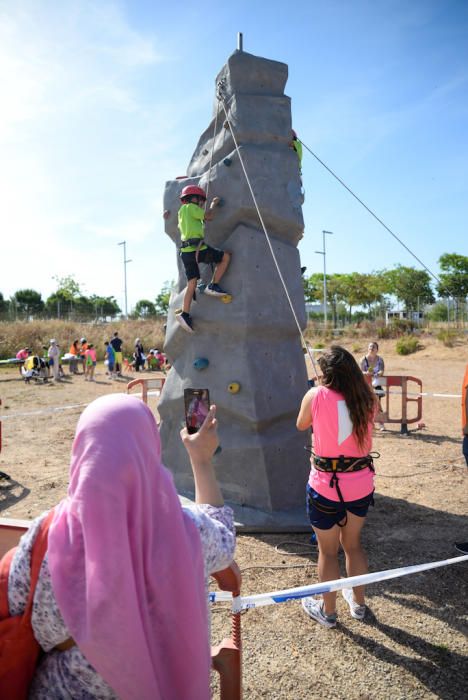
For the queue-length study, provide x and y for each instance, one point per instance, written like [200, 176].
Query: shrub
[407, 345]
[447, 337]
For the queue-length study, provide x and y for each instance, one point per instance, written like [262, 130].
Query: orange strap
[38, 551]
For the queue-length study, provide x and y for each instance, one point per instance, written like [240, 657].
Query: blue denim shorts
[324, 514]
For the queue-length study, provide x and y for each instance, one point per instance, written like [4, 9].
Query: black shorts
[324, 513]
[208, 255]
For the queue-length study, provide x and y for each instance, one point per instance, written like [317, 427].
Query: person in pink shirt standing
[341, 483]
[91, 360]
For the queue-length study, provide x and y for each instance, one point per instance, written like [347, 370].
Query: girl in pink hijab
[120, 605]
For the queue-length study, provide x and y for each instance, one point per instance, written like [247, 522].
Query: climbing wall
[247, 352]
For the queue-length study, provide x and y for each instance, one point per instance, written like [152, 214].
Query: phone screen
[197, 405]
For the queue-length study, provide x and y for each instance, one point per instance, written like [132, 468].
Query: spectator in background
[139, 355]
[53, 353]
[91, 360]
[117, 343]
[74, 353]
[83, 348]
[22, 355]
[373, 365]
[110, 357]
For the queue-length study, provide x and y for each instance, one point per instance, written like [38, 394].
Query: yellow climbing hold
[226, 298]
[234, 388]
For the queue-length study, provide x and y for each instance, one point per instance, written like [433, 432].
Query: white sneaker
[357, 611]
[314, 609]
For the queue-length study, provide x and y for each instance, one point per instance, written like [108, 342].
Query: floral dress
[67, 675]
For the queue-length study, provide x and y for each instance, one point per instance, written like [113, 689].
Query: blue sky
[104, 101]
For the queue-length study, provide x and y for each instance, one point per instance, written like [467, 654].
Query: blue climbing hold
[201, 363]
[227, 162]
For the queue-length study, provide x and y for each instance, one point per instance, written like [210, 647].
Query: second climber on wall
[194, 250]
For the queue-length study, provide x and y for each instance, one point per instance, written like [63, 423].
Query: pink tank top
[332, 437]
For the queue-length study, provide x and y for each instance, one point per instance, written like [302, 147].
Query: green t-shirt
[297, 145]
[191, 218]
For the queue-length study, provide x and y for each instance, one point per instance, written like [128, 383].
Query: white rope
[255, 601]
[211, 157]
[220, 98]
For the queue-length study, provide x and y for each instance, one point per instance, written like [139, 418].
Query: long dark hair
[342, 374]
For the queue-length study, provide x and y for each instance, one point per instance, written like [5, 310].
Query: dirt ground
[414, 642]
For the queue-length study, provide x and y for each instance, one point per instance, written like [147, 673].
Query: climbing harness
[341, 465]
[191, 241]
[220, 97]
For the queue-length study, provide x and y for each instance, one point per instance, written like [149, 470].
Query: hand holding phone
[200, 447]
[197, 406]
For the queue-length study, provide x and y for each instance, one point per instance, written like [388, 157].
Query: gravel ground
[413, 644]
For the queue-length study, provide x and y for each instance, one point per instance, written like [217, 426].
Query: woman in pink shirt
[341, 483]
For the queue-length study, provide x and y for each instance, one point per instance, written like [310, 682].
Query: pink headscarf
[126, 563]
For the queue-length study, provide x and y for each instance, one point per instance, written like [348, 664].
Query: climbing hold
[227, 162]
[226, 124]
[166, 214]
[226, 298]
[201, 363]
[178, 311]
[234, 388]
[201, 286]
[205, 152]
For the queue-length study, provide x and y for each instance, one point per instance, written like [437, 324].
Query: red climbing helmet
[192, 190]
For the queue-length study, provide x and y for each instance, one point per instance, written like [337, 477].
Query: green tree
[104, 306]
[161, 302]
[59, 304]
[313, 287]
[410, 286]
[68, 286]
[28, 302]
[3, 305]
[145, 309]
[454, 278]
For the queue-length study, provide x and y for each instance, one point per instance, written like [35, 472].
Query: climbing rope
[211, 156]
[371, 212]
[304, 344]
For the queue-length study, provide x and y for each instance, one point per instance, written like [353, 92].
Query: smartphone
[197, 406]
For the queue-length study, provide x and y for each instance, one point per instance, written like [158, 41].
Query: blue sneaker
[215, 290]
[185, 320]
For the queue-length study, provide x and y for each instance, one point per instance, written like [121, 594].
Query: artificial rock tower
[253, 341]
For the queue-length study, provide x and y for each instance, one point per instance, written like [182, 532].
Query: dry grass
[36, 335]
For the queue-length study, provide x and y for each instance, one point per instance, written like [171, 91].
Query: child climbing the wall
[296, 145]
[194, 250]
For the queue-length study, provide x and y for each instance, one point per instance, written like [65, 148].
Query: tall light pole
[125, 261]
[324, 253]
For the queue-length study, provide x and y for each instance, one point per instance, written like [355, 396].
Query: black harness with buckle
[341, 465]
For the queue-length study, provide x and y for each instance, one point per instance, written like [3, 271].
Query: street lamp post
[324, 253]
[125, 261]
